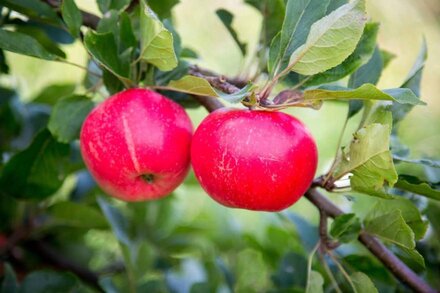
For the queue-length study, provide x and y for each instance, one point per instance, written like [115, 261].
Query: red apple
[255, 160]
[136, 145]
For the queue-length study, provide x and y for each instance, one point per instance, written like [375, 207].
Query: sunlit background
[404, 23]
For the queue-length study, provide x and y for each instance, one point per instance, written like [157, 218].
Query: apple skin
[255, 160]
[136, 145]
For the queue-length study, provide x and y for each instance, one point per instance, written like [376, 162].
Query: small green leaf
[409, 212]
[274, 52]
[193, 85]
[42, 37]
[156, 41]
[163, 8]
[345, 228]
[67, 117]
[374, 175]
[411, 255]
[367, 142]
[9, 284]
[53, 93]
[72, 214]
[362, 283]
[38, 171]
[23, 44]
[49, 281]
[72, 16]
[360, 56]
[365, 92]
[226, 17]
[390, 226]
[104, 49]
[127, 39]
[333, 38]
[300, 16]
[315, 283]
[415, 185]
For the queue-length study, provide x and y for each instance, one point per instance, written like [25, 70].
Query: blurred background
[404, 23]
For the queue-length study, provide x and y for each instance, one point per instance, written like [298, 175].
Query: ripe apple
[136, 145]
[255, 160]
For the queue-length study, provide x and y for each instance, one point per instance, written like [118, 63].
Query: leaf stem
[79, 66]
[342, 270]
[336, 157]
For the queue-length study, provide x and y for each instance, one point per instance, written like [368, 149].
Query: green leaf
[411, 255]
[226, 17]
[251, 278]
[273, 12]
[415, 185]
[77, 215]
[333, 38]
[42, 38]
[366, 92]
[49, 281]
[156, 41]
[67, 117]
[103, 48]
[117, 221]
[163, 7]
[345, 228]
[72, 16]
[53, 93]
[374, 175]
[193, 85]
[299, 17]
[409, 212]
[23, 44]
[38, 171]
[362, 283]
[274, 52]
[360, 56]
[412, 82]
[9, 284]
[107, 5]
[389, 226]
[335, 4]
[367, 142]
[369, 72]
[127, 39]
[423, 162]
[315, 283]
[34, 9]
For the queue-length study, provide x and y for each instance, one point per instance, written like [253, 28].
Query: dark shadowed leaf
[23, 44]
[9, 284]
[53, 93]
[368, 73]
[415, 185]
[72, 16]
[117, 221]
[104, 49]
[38, 171]
[273, 15]
[72, 214]
[292, 270]
[49, 281]
[67, 117]
[163, 8]
[42, 38]
[38, 10]
[226, 17]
